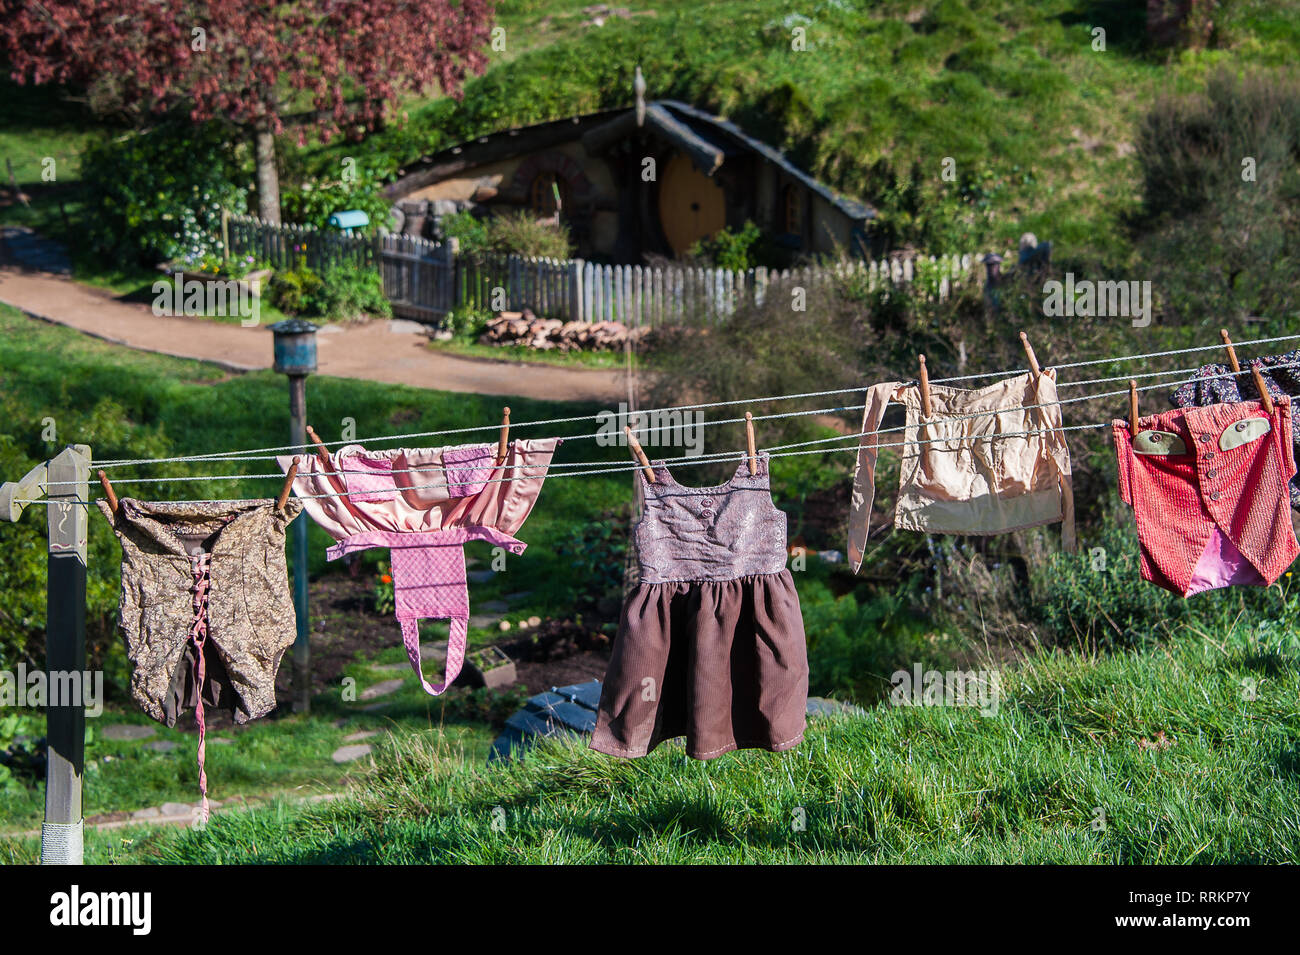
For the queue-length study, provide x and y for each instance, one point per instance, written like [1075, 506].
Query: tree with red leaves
[325, 65]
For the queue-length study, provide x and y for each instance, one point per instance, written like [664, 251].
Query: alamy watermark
[980, 689]
[668, 427]
[38, 689]
[1089, 299]
[227, 298]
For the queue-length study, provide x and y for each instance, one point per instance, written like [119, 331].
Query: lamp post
[295, 356]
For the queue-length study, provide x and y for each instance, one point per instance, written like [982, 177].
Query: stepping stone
[161, 746]
[346, 754]
[153, 812]
[177, 808]
[376, 707]
[436, 650]
[485, 620]
[518, 596]
[359, 736]
[381, 689]
[392, 667]
[494, 606]
[821, 706]
[481, 576]
[127, 731]
[401, 326]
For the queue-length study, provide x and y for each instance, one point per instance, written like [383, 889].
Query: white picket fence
[637, 295]
[427, 279]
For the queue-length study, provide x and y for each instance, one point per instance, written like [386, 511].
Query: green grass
[898, 785]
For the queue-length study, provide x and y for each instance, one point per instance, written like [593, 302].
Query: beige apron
[967, 478]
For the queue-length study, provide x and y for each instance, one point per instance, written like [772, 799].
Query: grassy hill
[1039, 124]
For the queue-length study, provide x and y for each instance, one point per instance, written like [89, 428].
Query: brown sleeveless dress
[711, 642]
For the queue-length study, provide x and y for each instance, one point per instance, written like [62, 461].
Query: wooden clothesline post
[65, 479]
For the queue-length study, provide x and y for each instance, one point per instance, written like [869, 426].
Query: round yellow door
[691, 205]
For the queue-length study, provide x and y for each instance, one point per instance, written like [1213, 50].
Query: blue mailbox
[349, 220]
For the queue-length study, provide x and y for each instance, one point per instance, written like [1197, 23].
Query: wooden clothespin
[1133, 407]
[327, 466]
[1232, 352]
[1029, 353]
[925, 389]
[287, 487]
[108, 492]
[321, 451]
[749, 441]
[1265, 399]
[503, 442]
[639, 454]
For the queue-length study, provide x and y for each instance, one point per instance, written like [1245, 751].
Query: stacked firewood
[545, 334]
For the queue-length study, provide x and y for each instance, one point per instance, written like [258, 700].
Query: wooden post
[66, 483]
[68, 494]
[301, 645]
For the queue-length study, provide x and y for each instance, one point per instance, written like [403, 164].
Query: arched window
[792, 209]
[542, 193]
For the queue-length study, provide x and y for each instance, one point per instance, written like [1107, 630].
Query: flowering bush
[384, 599]
[156, 196]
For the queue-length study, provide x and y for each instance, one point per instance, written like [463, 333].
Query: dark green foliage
[291, 290]
[1220, 225]
[593, 555]
[342, 292]
[157, 196]
[733, 250]
[348, 291]
[312, 200]
[508, 234]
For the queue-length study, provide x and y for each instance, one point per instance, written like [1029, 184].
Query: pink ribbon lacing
[200, 564]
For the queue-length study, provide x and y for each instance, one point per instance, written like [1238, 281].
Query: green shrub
[514, 233]
[1198, 153]
[726, 249]
[521, 234]
[856, 642]
[467, 323]
[347, 292]
[1097, 597]
[157, 196]
[468, 229]
[594, 552]
[292, 290]
[314, 199]
[341, 292]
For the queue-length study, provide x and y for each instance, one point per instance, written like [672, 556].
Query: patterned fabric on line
[425, 528]
[1281, 375]
[1208, 488]
[205, 606]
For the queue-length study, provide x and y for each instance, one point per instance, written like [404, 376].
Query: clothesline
[540, 470]
[248, 454]
[693, 460]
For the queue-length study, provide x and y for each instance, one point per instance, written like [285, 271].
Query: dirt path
[392, 352]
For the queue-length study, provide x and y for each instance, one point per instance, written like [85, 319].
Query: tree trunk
[268, 180]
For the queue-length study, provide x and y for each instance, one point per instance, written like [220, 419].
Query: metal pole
[68, 493]
[301, 648]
